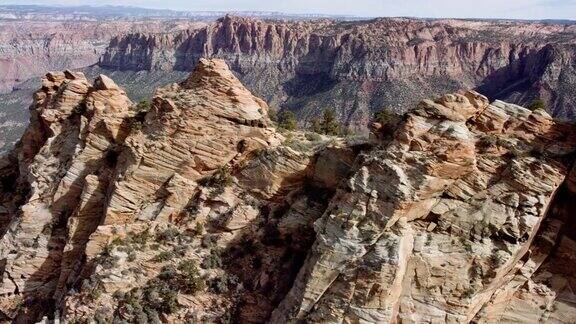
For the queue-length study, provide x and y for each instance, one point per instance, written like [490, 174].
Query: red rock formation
[355, 67]
[30, 48]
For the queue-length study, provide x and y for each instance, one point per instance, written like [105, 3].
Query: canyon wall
[30, 48]
[355, 68]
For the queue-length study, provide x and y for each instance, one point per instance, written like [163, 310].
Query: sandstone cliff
[357, 67]
[198, 209]
[30, 48]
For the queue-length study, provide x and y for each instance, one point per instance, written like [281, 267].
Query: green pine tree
[329, 125]
[287, 120]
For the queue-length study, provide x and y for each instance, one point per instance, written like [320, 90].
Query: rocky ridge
[199, 209]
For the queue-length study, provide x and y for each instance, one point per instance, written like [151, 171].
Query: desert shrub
[221, 179]
[189, 280]
[287, 120]
[467, 293]
[487, 141]
[95, 293]
[168, 272]
[213, 260]
[198, 229]
[384, 116]
[208, 241]
[139, 238]
[163, 256]
[476, 271]
[222, 283]
[192, 209]
[143, 305]
[313, 137]
[537, 104]
[117, 241]
[106, 259]
[160, 296]
[180, 250]
[297, 145]
[143, 106]
[170, 234]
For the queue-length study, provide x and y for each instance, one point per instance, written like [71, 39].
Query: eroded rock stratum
[197, 209]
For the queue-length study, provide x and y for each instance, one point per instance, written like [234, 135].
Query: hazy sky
[518, 9]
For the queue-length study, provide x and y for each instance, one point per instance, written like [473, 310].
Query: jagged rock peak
[212, 77]
[211, 73]
[103, 82]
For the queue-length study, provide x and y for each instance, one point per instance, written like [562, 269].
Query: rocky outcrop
[440, 222]
[351, 67]
[357, 67]
[198, 209]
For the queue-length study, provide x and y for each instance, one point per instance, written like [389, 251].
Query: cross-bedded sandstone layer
[197, 208]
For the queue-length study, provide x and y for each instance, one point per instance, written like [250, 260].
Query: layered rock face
[430, 228]
[197, 209]
[30, 48]
[357, 67]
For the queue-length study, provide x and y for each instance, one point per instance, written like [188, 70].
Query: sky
[515, 9]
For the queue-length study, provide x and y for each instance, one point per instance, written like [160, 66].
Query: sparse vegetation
[273, 114]
[496, 259]
[163, 256]
[328, 125]
[208, 241]
[143, 106]
[384, 116]
[198, 229]
[287, 120]
[222, 283]
[169, 234]
[139, 238]
[159, 295]
[537, 104]
[466, 243]
[221, 178]
[487, 141]
[106, 259]
[189, 279]
[467, 293]
[476, 271]
[213, 260]
[313, 137]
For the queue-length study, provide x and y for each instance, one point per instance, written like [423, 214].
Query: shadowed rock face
[196, 208]
[357, 67]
